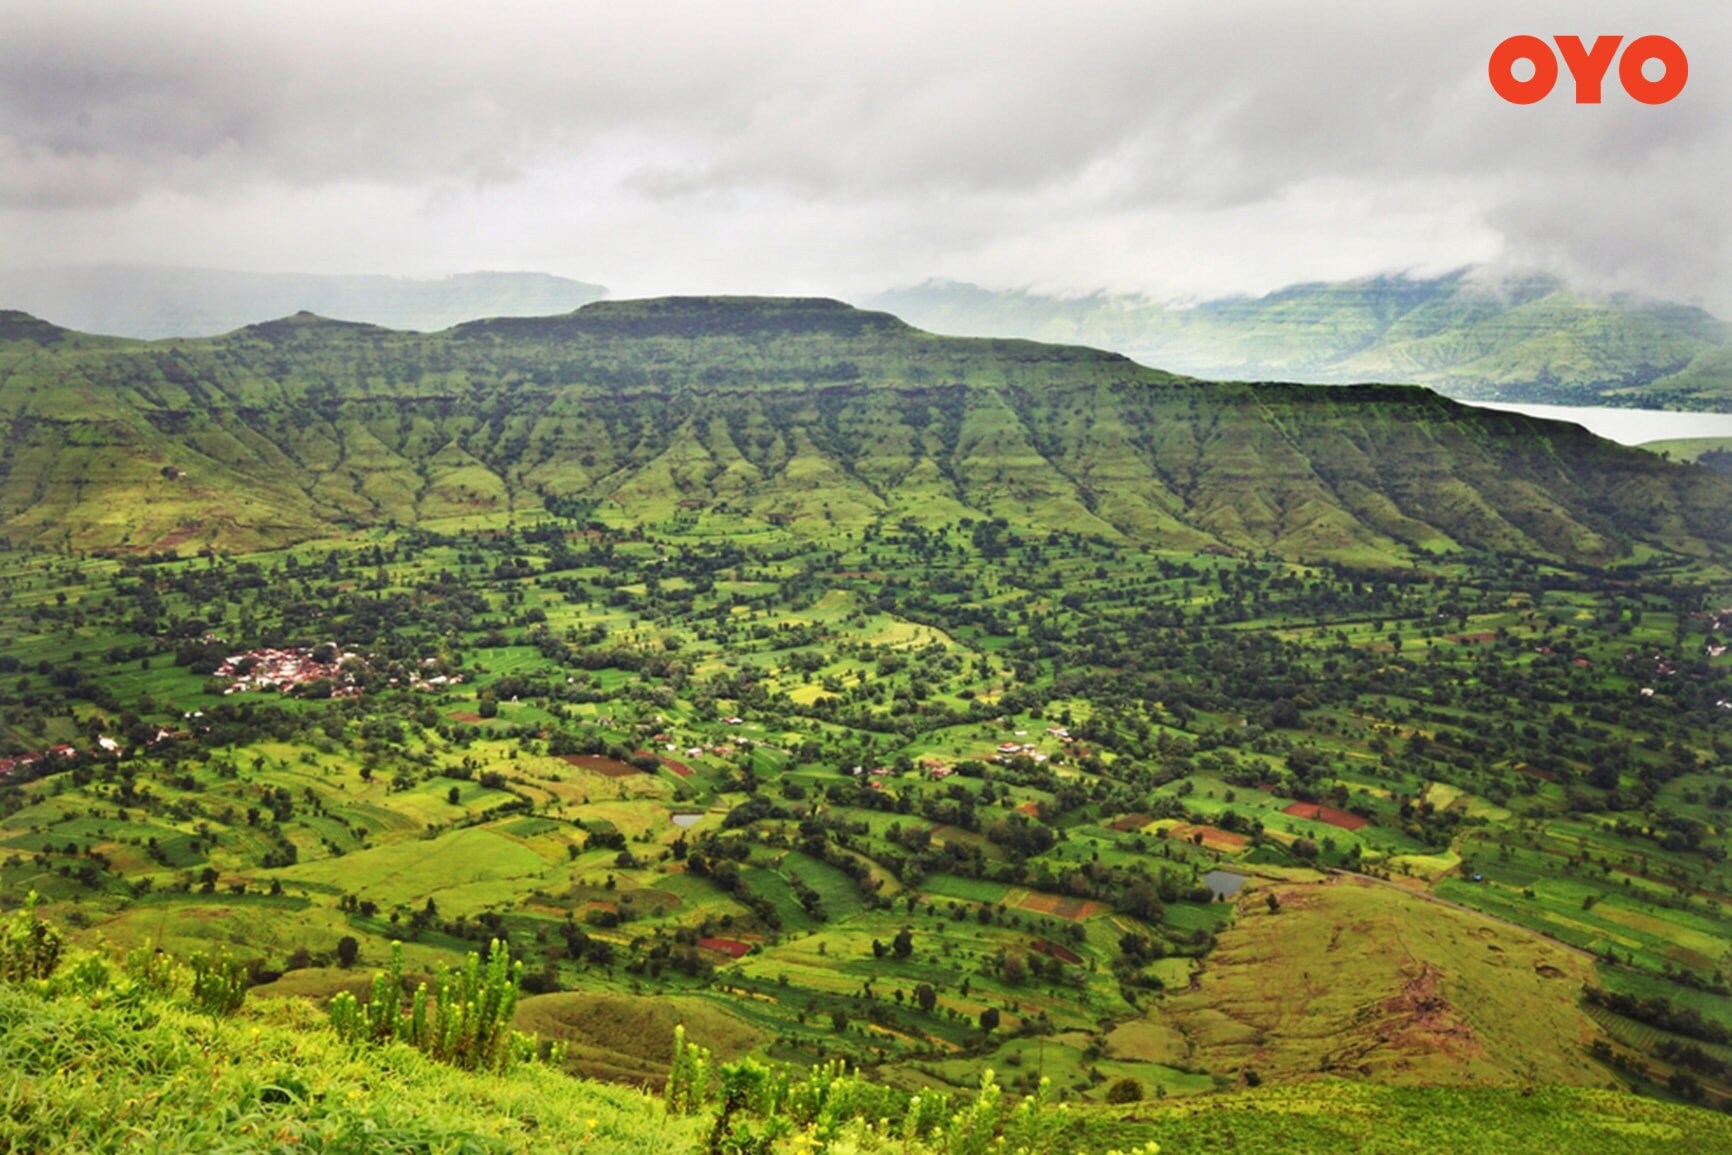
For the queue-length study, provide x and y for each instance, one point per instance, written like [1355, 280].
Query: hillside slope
[121, 1070]
[804, 414]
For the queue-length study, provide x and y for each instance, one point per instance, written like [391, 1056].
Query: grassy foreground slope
[128, 1071]
[91, 1066]
[802, 415]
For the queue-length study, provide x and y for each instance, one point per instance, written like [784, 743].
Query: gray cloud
[1175, 148]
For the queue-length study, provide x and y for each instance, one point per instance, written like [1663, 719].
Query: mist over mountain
[804, 415]
[1471, 333]
[155, 301]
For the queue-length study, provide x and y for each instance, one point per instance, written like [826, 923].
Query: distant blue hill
[152, 301]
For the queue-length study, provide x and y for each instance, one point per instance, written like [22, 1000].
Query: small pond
[1223, 883]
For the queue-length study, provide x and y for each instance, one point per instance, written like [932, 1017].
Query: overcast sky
[1176, 148]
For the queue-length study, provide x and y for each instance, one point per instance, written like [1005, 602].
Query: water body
[1625, 426]
[1223, 883]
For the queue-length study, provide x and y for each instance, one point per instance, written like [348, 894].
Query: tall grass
[464, 1019]
[760, 1109]
[219, 983]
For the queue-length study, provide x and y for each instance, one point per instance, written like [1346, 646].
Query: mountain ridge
[1518, 337]
[802, 414]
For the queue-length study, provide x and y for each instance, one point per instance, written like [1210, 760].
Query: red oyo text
[1588, 66]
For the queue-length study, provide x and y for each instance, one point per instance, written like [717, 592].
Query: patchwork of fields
[921, 823]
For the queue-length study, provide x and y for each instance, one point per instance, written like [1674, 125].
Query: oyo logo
[1588, 66]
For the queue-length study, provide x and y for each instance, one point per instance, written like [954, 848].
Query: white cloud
[1181, 147]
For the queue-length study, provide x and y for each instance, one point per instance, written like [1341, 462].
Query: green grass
[406, 873]
[627, 1038]
[111, 1076]
[966, 889]
[1331, 1115]
[1688, 448]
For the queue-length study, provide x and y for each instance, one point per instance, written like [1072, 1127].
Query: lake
[1223, 883]
[1625, 426]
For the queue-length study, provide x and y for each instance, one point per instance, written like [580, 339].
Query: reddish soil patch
[1422, 1020]
[601, 764]
[732, 947]
[1482, 636]
[1069, 909]
[1532, 772]
[679, 768]
[1053, 950]
[1546, 971]
[463, 717]
[1327, 814]
[1032, 809]
[1213, 838]
[1128, 823]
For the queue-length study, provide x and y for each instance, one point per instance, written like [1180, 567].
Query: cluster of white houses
[285, 670]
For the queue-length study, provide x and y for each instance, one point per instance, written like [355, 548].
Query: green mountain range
[154, 301]
[1469, 334]
[808, 415]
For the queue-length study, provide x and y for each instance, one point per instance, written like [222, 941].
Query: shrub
[1125, 1090]
[29, 947]
[219, 983]
[88, 976]
[150, 968]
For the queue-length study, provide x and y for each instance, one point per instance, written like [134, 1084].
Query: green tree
[1125, 1090]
